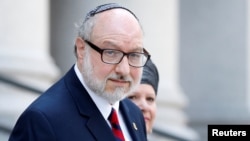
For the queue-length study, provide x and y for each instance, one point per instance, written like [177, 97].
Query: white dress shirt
[104, 106]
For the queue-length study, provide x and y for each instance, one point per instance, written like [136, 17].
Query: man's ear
[80, 45]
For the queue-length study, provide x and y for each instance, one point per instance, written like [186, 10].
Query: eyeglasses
[112, 56]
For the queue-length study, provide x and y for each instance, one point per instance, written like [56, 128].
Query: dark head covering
[150, 75]
[105, 7]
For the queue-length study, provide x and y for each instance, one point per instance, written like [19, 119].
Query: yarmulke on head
[150, 75]
[105, 7]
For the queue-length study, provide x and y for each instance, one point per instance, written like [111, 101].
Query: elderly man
[88, 103]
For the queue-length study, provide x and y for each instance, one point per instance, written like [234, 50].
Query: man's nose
[123, 67]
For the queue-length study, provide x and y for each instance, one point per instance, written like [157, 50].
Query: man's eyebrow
[107, 44]
[138, 49]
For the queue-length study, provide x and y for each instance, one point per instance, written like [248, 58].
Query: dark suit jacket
[66, 112]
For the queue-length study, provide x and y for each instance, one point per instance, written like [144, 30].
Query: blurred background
[201, 48]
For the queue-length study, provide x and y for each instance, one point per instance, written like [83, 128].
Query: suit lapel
[96, 124]
[130, 122]
[99, 128]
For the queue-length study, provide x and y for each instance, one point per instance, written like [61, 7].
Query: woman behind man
[145, 94]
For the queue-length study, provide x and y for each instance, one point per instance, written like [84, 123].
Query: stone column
[24, 55]
[25, 43]
[214, 63]
[248, 55]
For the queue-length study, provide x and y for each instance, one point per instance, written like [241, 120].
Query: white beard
[98, 86]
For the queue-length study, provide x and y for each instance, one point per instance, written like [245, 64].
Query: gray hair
[84, 30]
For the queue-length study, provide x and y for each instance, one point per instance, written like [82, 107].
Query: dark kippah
[105, 7]
[150, 75]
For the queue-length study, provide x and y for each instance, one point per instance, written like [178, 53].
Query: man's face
[121, 32]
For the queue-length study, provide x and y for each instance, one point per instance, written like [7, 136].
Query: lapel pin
[135, 127]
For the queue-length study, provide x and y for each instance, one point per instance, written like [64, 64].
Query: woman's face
[144, 97]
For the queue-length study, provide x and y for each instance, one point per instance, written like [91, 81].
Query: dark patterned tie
[116, 128]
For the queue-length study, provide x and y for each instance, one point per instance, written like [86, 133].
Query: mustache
[120, 77]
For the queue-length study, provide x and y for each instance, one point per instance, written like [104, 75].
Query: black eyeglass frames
[112, 56]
